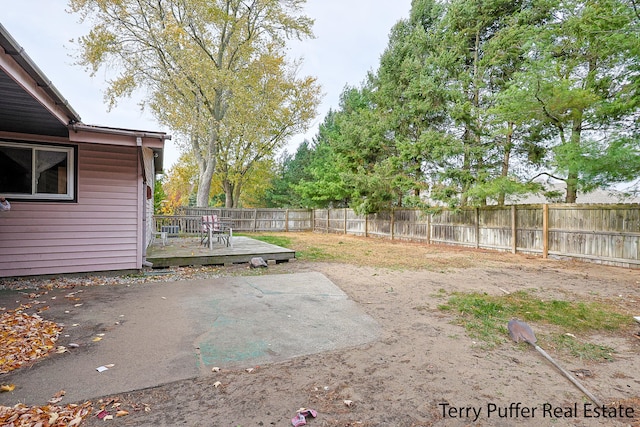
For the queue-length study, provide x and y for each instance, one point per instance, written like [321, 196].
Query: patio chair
[209, 223]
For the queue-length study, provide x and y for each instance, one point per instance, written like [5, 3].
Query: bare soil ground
[424, 370]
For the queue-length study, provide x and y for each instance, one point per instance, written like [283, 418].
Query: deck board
[188, 251]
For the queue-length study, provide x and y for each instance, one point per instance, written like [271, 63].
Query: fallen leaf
[217, 384]
[57, 397]
[7, 387]
[96, 339]
[348, 402]
[215, 369]
[100, 415]
[61, 349]
[76, 421]
[249, 370]
[122, 413]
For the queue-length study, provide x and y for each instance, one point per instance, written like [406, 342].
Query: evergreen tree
[325, 183]
[290, 171]
[578, 93]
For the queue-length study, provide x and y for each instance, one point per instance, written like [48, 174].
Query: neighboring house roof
[599, 196]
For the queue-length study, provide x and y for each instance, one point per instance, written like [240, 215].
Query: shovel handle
[569, 376]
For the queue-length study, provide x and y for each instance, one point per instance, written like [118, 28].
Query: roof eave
[77, 127]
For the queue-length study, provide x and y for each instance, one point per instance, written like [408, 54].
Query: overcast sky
[350, 37]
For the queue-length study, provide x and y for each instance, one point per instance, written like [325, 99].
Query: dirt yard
[424, 370]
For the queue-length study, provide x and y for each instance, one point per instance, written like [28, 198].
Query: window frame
[72, 171]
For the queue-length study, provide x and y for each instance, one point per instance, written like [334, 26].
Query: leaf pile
[47, 415]
[24, 338]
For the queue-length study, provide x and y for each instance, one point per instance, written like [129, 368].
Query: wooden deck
[180, 251]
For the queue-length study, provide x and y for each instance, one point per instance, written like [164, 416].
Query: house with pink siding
[81, 195]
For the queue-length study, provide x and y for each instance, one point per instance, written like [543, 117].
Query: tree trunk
[466, 167]
[204, 183]
[505, 159]
[228, 194]
[236, 194]
[477, 126]
[572, 188]
[206, 156]
[206, 167]
[572, 175]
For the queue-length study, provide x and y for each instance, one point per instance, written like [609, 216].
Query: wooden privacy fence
[607, 234]
[257, 219]
[599, 233]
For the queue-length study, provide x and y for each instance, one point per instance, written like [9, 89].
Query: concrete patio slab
[159, 333]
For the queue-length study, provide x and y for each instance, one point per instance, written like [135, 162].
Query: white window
[38, 172]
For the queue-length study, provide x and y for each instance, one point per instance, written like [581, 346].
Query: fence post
[286, 221]
[514, 230]
[429, 228]
[393, 214]
[313, 220]
[328, 219]
[545, 231]
[255, 219]
[366, 225]
[345, 221]
[477, 228]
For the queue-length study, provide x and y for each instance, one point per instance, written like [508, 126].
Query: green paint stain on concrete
[223, 321]
[212, 354]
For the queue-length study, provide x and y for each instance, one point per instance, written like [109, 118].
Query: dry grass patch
[384, 253]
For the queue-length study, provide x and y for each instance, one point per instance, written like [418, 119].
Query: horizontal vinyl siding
[99, 232]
